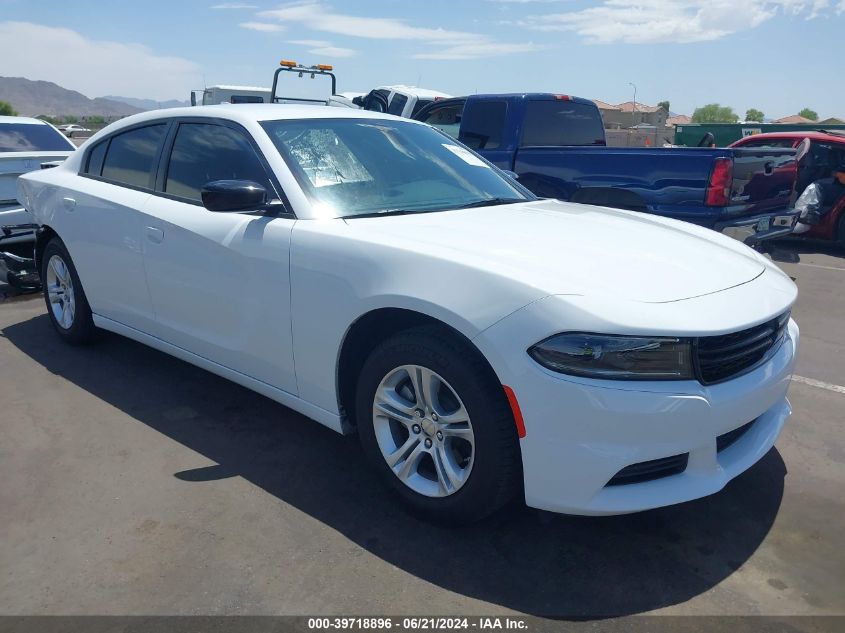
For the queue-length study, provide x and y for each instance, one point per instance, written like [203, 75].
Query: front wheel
[435, 423]
[67, 305]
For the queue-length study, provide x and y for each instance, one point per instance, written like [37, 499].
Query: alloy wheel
[59, 285]
[423, 431]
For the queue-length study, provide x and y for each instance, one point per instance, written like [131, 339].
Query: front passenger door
[219, 282]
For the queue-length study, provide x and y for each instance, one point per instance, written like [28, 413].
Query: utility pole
[634, 108]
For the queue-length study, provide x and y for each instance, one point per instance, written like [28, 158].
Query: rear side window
[483, 125]
[131, 156]
[204, 152]
[560, 123]
[95, 159]
[397, 104]
[32, 137]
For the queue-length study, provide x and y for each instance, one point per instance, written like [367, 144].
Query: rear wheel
[67, 305]
[436, 425]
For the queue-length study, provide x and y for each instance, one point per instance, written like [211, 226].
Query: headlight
[616, 357]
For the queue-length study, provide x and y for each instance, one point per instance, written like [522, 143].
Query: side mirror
[231, 196]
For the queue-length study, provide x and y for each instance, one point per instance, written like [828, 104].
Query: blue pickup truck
[556, 146]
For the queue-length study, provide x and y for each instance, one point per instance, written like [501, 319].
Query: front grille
[722, 357]
[650, 470]
[727, 439]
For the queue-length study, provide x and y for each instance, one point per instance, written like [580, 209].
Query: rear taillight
[719, 188]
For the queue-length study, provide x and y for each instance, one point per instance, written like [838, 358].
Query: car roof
[22, 119]
[249, 113]
[815, 135]
[420, 93]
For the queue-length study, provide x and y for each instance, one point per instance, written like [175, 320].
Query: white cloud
[233, 5]
[264, 27]
[324, 49]
[333, 51]
[652, 21]
[310, 43]
[474, 50]
[92, 67]
[319, 17]
[450, 44]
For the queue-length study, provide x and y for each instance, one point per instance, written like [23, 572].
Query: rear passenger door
[219, 282]
[101, 226]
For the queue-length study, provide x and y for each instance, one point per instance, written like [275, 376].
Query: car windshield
[32, 137]
[352, 167]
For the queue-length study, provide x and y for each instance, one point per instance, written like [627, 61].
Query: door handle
[155, 235]
[70, 204]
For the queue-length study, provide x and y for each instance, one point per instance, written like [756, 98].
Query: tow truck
[214, 95]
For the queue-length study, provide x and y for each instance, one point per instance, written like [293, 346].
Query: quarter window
[205, 152]
[131, 156]
[95, 159]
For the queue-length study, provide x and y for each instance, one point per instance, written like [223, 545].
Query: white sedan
[378, 277]
[72, 128]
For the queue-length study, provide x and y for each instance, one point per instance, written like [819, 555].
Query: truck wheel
[67, 305]
[435, 423]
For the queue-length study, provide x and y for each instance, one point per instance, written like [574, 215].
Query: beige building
[630, 114]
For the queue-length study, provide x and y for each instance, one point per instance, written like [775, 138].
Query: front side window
[351, 167]
[32, 137]
[483, 125]
[131, 156]
[204, 152]
[397, 104]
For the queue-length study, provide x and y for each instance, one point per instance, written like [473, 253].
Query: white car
[72, 128]
[25, 144]
[375, 275]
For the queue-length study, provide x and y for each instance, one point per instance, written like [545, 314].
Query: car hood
[565, 248]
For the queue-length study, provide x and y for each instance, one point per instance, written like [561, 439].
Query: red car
[827, 150]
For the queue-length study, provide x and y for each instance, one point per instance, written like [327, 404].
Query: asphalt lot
[134, 483]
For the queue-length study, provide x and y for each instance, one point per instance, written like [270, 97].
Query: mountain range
[35, 98]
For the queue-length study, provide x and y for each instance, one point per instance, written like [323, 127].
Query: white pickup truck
[399, 100]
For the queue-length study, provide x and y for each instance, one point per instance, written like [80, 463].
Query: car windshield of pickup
[354, 167]
[32, 137]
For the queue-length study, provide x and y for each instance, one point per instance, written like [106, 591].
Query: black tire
[81, 329]
[496, 473]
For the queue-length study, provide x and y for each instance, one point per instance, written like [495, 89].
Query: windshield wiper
[378, 214]
[490, 202]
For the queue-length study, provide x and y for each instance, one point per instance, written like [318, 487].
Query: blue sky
[775, 55]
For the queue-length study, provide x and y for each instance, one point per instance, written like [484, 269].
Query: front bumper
[755, 229]
[580, 433]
